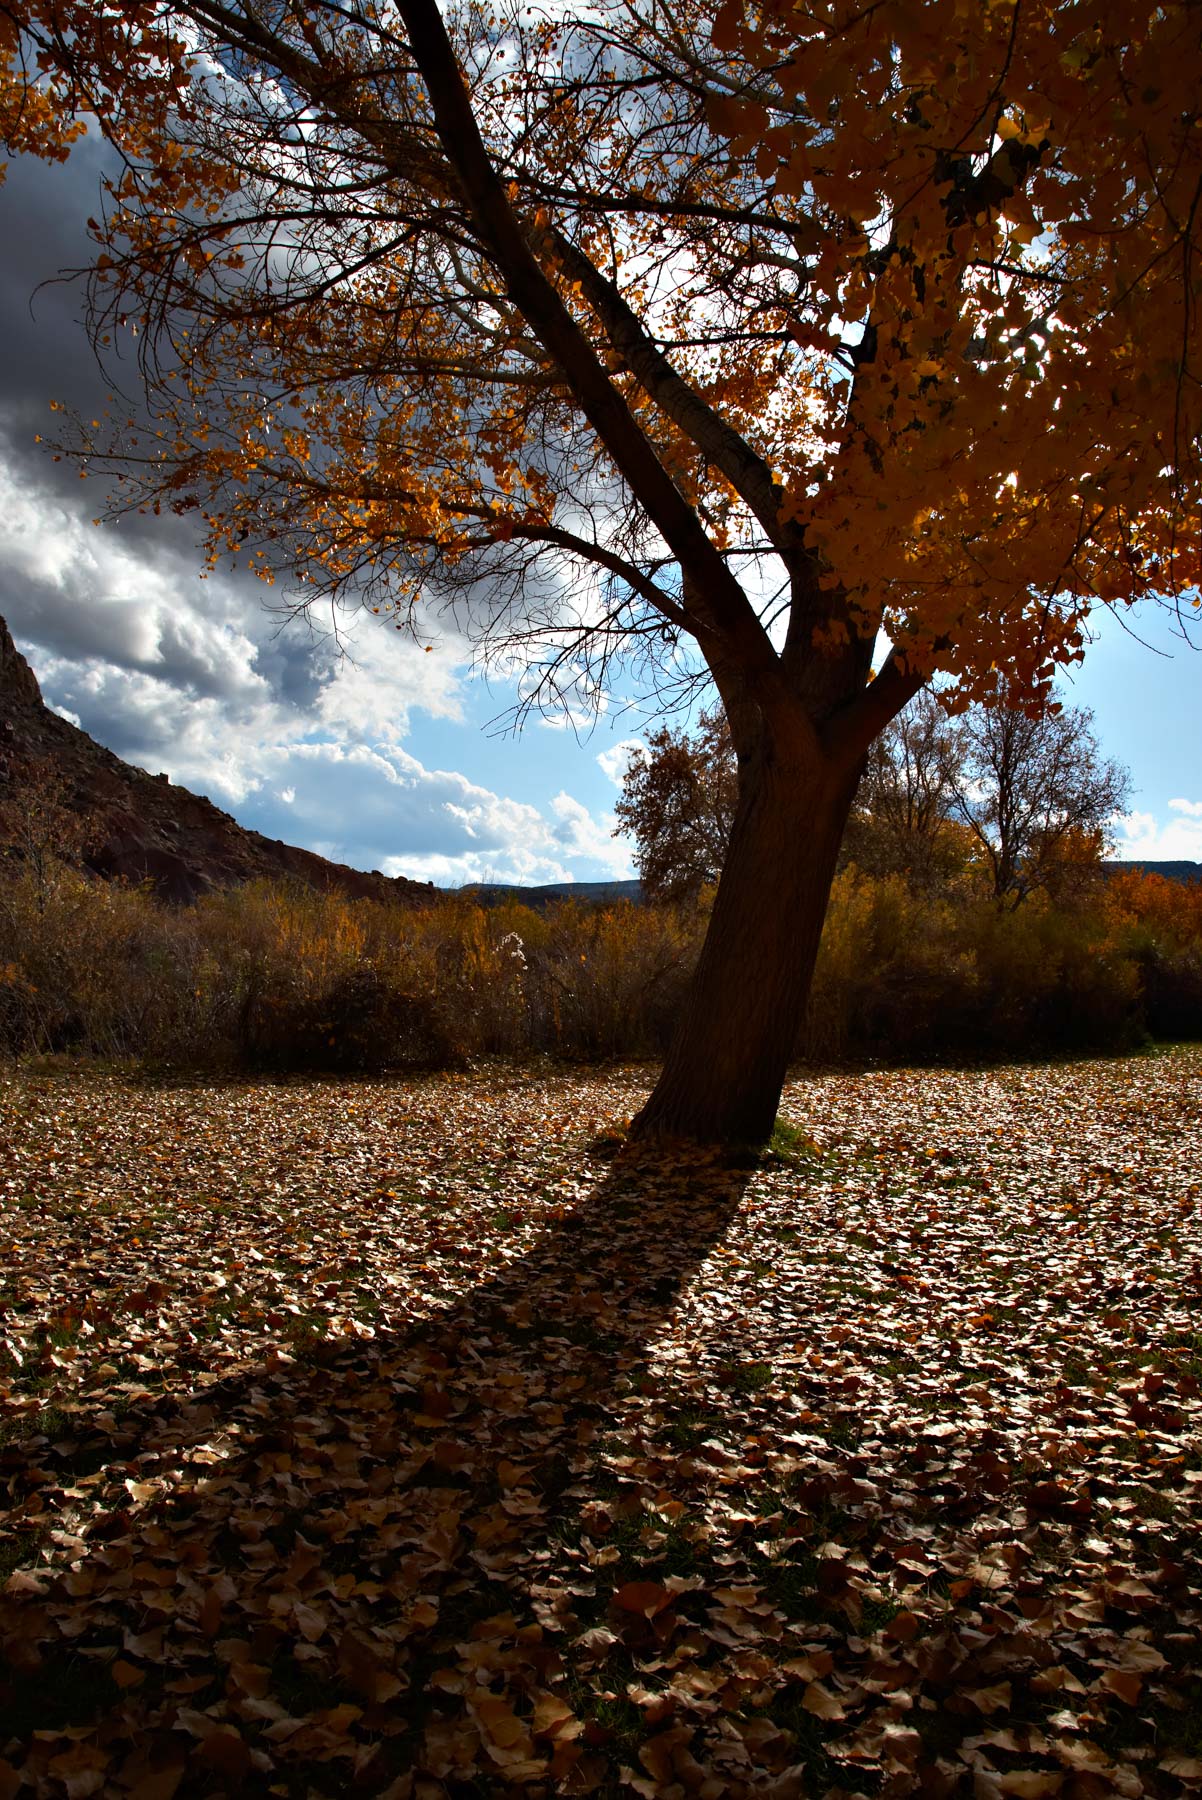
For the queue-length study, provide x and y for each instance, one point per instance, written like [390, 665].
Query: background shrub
[280, 979]
[902, 974]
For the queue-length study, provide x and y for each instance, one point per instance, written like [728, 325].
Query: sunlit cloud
[1142, 837]
[615, 761]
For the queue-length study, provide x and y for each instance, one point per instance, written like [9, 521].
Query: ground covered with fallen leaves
[405, 1439]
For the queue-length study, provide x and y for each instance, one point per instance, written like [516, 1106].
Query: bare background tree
[44, 827]
[1033, 789]
[899, 824]
[1025, 800]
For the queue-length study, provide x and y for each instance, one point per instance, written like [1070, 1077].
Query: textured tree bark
[722, 1079]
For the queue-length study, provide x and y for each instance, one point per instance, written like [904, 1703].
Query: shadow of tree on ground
[334, 1570]
[873, 1469]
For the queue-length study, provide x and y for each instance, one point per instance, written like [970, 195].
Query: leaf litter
[404, 1438]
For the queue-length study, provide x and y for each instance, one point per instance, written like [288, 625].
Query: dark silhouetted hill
[585, 893]
[1172, 871]
[144, 828]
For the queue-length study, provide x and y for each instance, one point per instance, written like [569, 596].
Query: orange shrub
[1170, 911]
[902, 974]
[1159, 923]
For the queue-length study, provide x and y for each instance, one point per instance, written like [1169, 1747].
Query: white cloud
[1142, 837]
[110, 603]
[197, 679]
[521, 869]
[581, 834]
[89, 595]
[377, 806]
[614, 760]
[372, 693]
[199, 740]
[527, 851]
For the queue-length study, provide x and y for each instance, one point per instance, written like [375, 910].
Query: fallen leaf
[646, 1597]
[819, 1700]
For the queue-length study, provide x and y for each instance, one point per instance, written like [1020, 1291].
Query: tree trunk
[722, 1079]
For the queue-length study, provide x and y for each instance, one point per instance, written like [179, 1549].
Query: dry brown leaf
[819, 1700]
[553, 1717]
[646, 1597]
[157, 1784]
[1185, 1768]
[1123, 1682]
[990, 1699]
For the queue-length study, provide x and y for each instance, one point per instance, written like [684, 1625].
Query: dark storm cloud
[131, 597]
[82, 614]
[199, 678]
[44, 349]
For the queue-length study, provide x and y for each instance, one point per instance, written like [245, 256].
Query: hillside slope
[146, 828]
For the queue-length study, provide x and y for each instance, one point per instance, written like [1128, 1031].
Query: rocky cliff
[143, 828]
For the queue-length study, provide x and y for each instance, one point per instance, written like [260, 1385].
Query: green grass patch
[746, 1378]
[790, 1145]
[50, 1422]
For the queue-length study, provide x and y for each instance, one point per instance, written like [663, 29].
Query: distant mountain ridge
[589, 893]
[148, 829]
[606, 893]
[1172, 871]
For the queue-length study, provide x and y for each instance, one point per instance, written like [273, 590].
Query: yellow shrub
[284, 978]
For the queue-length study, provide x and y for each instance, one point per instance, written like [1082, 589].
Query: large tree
[715, 336]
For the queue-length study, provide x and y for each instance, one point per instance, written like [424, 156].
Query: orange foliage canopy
[887, 311]
[1004, 199]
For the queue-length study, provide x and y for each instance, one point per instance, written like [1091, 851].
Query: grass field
[408, 1438]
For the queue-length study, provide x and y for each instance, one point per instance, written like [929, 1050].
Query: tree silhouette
[679, 804]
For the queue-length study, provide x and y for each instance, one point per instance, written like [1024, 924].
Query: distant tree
[1027, 798]
[902, 820]
[678, 803]
[712, 338]
[1037, 795]
[679, 799]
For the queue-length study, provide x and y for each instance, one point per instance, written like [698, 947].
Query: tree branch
[726, 617]
[534, 531]
[852, 727]
[729, 453]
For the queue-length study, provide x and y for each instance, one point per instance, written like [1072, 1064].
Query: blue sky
[384, 758]
[1142, 679]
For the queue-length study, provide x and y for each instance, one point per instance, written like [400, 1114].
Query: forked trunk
[722, 1079]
